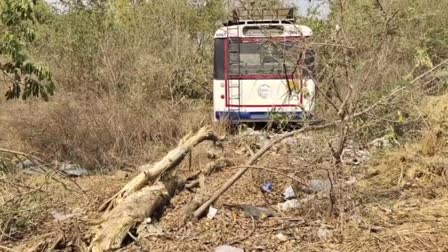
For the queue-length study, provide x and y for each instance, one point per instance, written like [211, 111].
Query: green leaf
[27, 78]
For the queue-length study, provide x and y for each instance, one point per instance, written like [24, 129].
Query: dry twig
[8, 249]
[22, 154]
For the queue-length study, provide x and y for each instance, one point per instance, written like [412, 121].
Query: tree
[25, 77]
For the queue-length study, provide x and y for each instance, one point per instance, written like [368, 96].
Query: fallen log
[131, 211]
[143, 195]
[151, 172]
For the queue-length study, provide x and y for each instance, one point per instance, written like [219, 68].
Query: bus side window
[219, 60]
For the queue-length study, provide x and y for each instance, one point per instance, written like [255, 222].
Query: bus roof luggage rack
[263, 14]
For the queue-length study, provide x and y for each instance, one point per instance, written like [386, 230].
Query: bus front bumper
[258, 116]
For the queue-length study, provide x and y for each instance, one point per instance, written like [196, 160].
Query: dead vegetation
[380, 79]
[382, 201]
[377, 202]
[402, 194]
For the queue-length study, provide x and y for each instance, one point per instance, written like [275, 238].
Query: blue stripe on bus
[254, 116]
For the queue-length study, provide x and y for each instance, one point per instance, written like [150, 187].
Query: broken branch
[152, 172]
[21, 154]
[134, 209]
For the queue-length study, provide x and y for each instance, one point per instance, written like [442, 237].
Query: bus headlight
[264, 91]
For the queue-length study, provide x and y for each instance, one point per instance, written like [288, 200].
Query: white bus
[262, 68]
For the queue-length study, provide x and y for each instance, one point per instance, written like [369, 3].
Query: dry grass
[437, 110]
[407, 199]
[23, 205]
[27, 204]
[431, 142]
[103, 133]
[408, 217]
[411, 225]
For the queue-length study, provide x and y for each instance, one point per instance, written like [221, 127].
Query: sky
[320, 7]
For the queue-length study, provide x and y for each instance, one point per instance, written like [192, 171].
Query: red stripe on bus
[226, 70]
[264, 39]
[259, 77]
[264, 106]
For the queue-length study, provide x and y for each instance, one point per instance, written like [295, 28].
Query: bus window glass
[219, 59]
[262, 58]
[263, 31]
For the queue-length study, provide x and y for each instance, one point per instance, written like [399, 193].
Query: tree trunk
[130, 212]
[151, 172]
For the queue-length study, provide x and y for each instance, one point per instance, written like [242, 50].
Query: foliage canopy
[26, 78]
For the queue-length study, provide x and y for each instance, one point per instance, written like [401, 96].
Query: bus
[263, 68]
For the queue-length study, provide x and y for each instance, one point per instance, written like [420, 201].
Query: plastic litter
[289, 193]
[25, 164]
[384, 142]
[227, 248]
[267, 187]
[282, 237]
[62, 216]
[288, 205]
[74, 170]
[211, 212]
[31, 167]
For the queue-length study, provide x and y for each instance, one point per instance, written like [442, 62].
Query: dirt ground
[387, 199]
